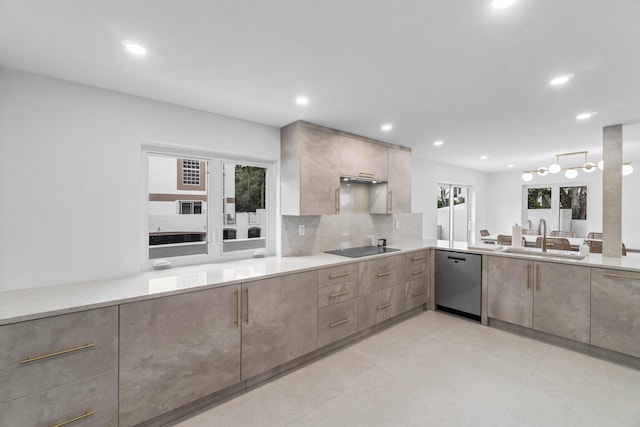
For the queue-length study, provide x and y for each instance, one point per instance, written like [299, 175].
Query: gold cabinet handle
[620, 276]
[338, 200]
[73, 420]
[383, 306]
[537, 277]
[335, 276]
[333, 325]
[246, 291]
[366, 174]
[528, 276]
[417, 258]
[386, 273]
[390, 201]
[415, 273]
[417, 294]
[57, 353]
[238, 308]
[339, 294]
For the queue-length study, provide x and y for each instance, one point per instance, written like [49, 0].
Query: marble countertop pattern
[22, 305]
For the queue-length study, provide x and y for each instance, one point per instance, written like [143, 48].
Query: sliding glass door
[454, 213]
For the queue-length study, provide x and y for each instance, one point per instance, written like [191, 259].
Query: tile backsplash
[328, 232]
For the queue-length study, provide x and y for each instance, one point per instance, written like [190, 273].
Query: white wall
[70, 174]
[505, 201]
[426, 175]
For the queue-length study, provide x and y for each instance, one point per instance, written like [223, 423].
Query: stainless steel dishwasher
[458, 283]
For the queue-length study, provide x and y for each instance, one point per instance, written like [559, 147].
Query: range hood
[362, 179]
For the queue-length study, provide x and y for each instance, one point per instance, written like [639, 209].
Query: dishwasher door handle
[456, 258]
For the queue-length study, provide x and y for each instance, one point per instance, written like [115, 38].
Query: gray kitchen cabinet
[562, 300]
[279, 321]
[546, 296]
[510, 289]
[615, 310]
[177, 349]
[416, 279]
[91, 401]
[380, 273]
[309, 170]
[337, 321]
[375, 307]
[399, 185]
[60, 368]
[337, 284]
[363, 159]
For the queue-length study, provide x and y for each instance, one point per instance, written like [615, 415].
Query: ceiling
[458, 71]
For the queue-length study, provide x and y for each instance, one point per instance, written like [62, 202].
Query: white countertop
[28, 304]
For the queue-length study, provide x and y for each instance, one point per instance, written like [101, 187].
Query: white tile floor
[439, 370]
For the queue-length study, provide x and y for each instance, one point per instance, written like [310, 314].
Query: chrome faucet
[543, 224]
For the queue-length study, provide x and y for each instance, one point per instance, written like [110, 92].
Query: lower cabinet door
[615, 310]
[279, 322]
[378, 306]
[415, 293]
[89, 402]
[337, 321]
[177, 349]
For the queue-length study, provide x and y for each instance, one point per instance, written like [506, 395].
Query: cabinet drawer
[378, 306]
[337, 321]
[337, 293]
[415, 271]
[45, 353]
[91, 402]
[378, 274]
[414, 258]
[415, 293]
[336, 275]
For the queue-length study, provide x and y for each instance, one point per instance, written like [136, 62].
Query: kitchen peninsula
[94, 322]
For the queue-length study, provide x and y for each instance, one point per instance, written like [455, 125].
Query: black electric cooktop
[362, 251]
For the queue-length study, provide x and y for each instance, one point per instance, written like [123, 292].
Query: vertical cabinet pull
[73, 420]
[338, 200]
[537, 277]
[246, 291]
[528, 275]
[390, 201]
[238, 308]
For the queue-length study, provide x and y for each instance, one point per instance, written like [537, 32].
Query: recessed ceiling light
[302, 100]
[134, 47]
[438, 143]
[510, 166]
[501, 4]
[560, 80]
[387, 127]
[585, 116]
[483, 157]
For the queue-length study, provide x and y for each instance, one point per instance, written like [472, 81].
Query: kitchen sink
[551, 253]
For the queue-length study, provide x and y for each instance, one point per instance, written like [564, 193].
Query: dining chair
[595, 247]
[594, 235]
[529, 232]
[558, 243]
[484, 233]
[504, 240]
[559, 233]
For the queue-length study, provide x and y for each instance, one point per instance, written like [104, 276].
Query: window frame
[214, 186]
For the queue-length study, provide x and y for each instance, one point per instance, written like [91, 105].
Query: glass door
[454, 213]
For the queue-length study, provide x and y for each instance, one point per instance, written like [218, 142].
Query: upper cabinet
[399, 180]
[314, 158]
[310, 175]
[363, 159]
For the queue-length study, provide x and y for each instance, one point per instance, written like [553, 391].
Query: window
[201, 208]
[539, 198]
[190, 208]
[454, 213]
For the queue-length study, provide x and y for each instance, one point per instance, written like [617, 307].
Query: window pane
[175, 230]
[539, 198]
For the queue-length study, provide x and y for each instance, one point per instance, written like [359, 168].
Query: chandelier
[572, 171]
